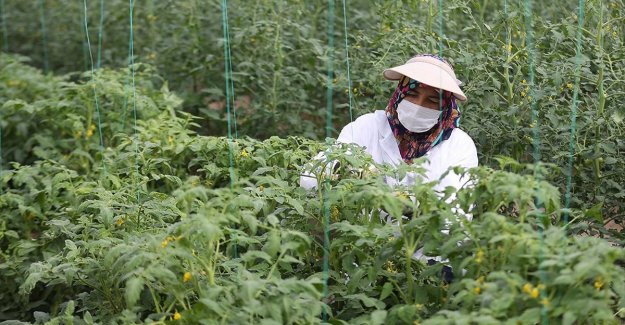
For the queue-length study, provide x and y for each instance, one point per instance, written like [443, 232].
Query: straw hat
[430, 71]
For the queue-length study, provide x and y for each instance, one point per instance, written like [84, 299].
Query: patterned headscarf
[414, 145]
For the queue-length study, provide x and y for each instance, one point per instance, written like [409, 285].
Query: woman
[421, 120]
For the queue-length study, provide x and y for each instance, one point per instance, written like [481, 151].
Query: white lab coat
[373, 132]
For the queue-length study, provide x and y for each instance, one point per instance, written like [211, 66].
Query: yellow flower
[119, 222]
[535, 292]
[334, 214]
[569, 85]
[599, 283]
[170, 140]
[402, 195]
[390, 267]
[523, 81]
[244, 153]
[164, 243]
[13, 83]
[614, 34]
[527, 288]
[186, 277]
[261, 188]
[90, 130]
[479, 256]
[177, 316]
[545, 302]
[477, 290]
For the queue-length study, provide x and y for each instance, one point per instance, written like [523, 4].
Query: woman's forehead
[429, 88]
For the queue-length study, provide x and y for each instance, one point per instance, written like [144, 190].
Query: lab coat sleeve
[307, 179]
[463, 154]
[349, 134]
[358, 132]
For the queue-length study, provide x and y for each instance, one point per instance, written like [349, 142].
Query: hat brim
[428, 74]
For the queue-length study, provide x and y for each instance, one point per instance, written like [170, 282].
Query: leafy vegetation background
[147, 227]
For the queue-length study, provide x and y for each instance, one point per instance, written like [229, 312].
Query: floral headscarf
[414, 145]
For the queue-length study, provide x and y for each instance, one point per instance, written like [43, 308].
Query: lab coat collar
[387, 140]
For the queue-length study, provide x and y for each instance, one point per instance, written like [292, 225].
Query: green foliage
[150, 227]
[280, 55]
[105, 221]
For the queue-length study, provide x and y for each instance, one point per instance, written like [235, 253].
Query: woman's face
[425, 96]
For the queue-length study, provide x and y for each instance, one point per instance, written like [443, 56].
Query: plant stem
[483, 10]
[277, 47]
[509, 57]
[601, 104]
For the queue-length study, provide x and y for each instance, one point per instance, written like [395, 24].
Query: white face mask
[416, 118]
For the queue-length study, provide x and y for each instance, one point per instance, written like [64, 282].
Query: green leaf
[378, 317]
[297, 206]
[88, 318]
[387, 289]
[134, 286]
[568, 318]
[273, 220]
[69, 309]
[70, 245]
[272, 246]
[367, 301]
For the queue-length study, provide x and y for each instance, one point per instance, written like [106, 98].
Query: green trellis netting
[194, 209]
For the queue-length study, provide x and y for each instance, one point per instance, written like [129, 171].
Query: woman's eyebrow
[430, 92]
